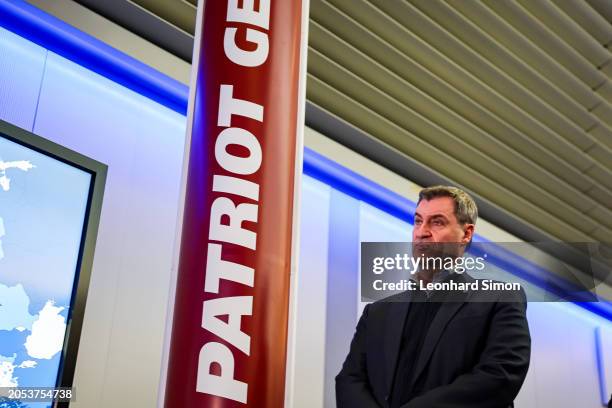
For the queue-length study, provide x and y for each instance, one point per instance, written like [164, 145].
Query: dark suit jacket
[475, 353]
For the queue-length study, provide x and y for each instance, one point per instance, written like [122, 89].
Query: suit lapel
[394, 327]
[445, 314]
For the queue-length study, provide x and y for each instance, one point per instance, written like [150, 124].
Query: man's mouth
[424, 246]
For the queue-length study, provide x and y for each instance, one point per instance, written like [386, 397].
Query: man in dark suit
[423, 349]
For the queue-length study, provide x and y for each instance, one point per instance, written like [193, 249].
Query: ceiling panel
[511, 100]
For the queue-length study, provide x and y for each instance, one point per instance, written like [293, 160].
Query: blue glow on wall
[603, 346]
[21, 66]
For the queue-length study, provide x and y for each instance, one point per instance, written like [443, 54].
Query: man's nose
[421, 231]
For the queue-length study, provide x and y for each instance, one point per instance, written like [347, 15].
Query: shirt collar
[438, 277]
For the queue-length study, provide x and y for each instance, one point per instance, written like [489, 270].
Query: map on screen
[43, 203]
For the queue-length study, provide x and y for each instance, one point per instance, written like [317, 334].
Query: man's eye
[438, 222]
[417, 222]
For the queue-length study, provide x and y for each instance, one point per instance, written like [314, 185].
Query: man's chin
[427, 254]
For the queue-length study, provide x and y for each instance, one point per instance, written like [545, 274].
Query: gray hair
[465, 206]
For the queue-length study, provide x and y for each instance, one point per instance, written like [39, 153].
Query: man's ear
[468, 233]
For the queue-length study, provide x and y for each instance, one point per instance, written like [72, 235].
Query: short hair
[466, 210]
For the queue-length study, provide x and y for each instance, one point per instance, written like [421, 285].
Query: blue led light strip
[55, 35]
[357, 186]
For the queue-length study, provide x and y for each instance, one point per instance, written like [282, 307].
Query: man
[470, 352]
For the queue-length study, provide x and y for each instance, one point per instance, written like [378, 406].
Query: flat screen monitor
[50, 201]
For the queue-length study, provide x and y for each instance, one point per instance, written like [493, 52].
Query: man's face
[435, 222]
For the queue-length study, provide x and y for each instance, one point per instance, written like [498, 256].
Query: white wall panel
[142, 143]
[342, 286]
[563, 371]
[311, 295]
[21, 72]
